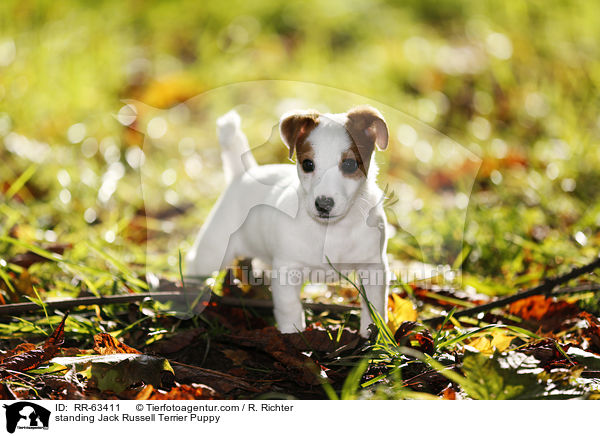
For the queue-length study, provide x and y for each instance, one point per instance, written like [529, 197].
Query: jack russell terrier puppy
[326, 208]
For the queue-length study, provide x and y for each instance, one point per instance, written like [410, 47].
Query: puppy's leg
[208, 255]
[287, 306]
[217, 243]
[375, 280]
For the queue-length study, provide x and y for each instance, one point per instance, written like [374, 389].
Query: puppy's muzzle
[324, 205]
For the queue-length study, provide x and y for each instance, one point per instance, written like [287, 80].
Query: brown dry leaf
[236, 356]
[322, 340]
[177, 342]
[548, 312]
[546, 351]
[19, 349]
[33, 358]
[413, 335]
[24, 285]
[29, 258]
[6, 393]
[233, 318]
[238, 372]
[104, 344]
[273, 342]
[194, 391]
[58, 388]
[220, 381]
[137, 230]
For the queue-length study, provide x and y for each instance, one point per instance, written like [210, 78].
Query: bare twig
[18, 308]
[545, 288]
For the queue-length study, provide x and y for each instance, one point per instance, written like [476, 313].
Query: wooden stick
[545, 288]
[17, 308]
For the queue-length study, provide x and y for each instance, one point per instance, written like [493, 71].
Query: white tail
[235, 152]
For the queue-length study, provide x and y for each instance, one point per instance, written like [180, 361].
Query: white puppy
[296, 218]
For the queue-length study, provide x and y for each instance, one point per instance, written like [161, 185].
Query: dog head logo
[26, 415]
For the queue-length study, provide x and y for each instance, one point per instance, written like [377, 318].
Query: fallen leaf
[29, 258]
[449, 394]
[548, 354]
[500, 377]
[117, 372]
[549, 313]
[105, 343]
[273, 342]
[220, 381]
[58, 388]
[24, 285]
[19, 349]
[399, 310]
[236, 356]
[496, 340]
[177, 342]
[324, 340]
[33, 358]
[6, 393]
[414, 335]
[194, 391]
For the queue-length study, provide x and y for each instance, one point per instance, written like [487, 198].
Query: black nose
[324, 204]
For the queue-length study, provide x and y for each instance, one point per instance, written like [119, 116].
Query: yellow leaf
[499, 341]
[400, 310]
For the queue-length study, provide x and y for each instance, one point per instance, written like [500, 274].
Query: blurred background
[492, 107]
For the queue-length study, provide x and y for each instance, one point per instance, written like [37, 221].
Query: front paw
[288, 323]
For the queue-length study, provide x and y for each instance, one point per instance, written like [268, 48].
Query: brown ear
[295, 127]
[367, 128]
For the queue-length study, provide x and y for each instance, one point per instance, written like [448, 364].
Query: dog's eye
[308, 166]
[349, 166]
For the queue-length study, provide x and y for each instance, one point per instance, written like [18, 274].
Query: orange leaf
[183, 392]
[106, 344]
[549, 312]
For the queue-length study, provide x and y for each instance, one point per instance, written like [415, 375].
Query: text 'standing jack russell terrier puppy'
[295, 218]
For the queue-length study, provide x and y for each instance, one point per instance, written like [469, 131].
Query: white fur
[268, 212]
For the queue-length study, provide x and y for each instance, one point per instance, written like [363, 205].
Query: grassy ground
[494, 155]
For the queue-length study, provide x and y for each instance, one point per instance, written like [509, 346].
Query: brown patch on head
[294, 130]
[367, 129]
[304, 151]
[353, 153]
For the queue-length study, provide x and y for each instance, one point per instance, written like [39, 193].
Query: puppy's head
[333, 155]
